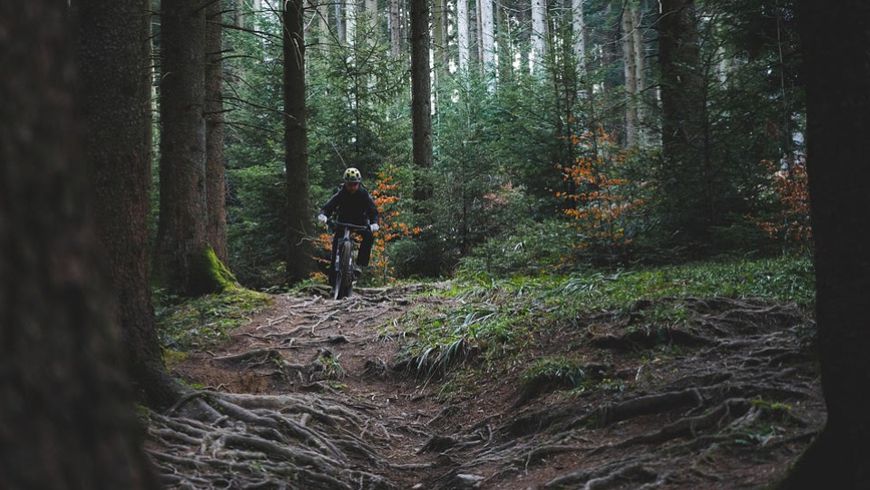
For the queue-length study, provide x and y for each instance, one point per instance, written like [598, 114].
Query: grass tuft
[184, 324]
[496, 317]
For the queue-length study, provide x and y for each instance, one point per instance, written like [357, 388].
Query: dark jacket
[357, 207]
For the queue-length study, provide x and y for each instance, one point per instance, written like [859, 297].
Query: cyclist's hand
[374, 227]
[321, 217]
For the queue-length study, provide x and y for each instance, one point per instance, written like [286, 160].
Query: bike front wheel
[347, 278]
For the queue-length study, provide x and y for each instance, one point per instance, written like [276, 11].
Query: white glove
[321, 217]
[374, 227]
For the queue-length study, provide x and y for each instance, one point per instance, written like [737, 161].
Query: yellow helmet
[352, 175]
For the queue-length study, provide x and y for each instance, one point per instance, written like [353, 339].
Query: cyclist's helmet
[352, 175]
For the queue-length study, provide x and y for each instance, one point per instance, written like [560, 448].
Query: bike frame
[343, 284]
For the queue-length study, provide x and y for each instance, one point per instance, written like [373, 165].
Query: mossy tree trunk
[114, 97]
[835, 36]
[300, 260]
[66, 411]
[215, 175]
[182, 242]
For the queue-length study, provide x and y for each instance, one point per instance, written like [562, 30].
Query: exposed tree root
[602, 478]
[658, 403]
[747, 362]
[288, 441]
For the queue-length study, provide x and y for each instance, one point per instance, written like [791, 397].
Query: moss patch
[195, 323]
[209, 275]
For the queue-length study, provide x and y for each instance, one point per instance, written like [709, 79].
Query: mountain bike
[343, 268]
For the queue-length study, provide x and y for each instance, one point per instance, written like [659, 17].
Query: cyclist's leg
[331, 271]
[365, 248]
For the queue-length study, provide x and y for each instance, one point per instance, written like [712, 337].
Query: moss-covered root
[209, 275]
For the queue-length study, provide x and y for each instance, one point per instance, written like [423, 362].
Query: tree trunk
[395, 30]
[238, 13]
[439, 28]
[323, 35]
[837, 76]
[640, 72]
[350, 17]
[686, 200]
[340, 25]
[539, 32]
[479, 34]
[114, 96]
[487, 39]
[421, 119]
[505, 48]
[578, 30]
[445, 50]
[300, 262]
[371, 12]
[462, 38]
[215, 178]
[66, 411]
[630, 70]
[185, 261]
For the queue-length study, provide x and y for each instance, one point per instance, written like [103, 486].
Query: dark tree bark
[186, 264]
[835, 36]
[114, 101]
[685, 178]
[300, 262]
[421, 119]
[215, 176]
[67, 417]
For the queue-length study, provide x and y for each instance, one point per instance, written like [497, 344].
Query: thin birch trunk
[462, 33]
[478, 34]
[539, 32]
[350, 16]
[340, 24]
[487, 37]
[578, 25]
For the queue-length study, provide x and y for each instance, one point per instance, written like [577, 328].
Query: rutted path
[305, 396]
[310, 352]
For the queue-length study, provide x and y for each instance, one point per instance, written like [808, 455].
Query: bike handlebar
[347, 225]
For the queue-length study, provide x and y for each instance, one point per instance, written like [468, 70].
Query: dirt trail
[306, 396]
[330, 350]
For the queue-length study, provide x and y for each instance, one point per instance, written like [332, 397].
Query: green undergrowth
[559, 370]
[493, 318]
[186, 324]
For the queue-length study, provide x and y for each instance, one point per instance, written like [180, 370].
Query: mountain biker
[354, 205]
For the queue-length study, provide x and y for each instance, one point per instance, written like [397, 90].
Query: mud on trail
[312, 394]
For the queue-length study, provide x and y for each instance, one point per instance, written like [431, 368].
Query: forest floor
[676, 392]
